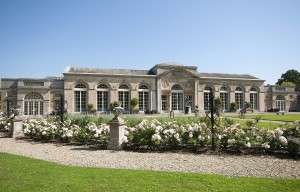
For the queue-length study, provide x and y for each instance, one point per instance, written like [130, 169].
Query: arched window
[280, 103]
[80, 97]
[206, 97]
[177, 98]
[224, 95]
[254, 98]
[143, 91]
[239, 97]
[33, 104]
[102, 98]
[123, 96]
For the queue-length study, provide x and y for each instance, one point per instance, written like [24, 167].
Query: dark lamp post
[7, 107]
[212, 122]
[62, 107]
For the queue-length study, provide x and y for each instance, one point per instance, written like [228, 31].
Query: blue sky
[39, 38]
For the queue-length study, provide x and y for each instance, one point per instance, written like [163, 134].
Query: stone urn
[117, 111]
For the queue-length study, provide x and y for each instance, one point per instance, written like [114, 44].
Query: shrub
[91, 109]
[251, 123]
[248, 105]
[233, 106]
[5, 124]
[228, 121]
[168, 134]
[134, 102]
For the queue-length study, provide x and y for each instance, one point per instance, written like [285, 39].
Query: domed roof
[169, 64]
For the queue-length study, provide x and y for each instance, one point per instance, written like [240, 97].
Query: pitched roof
[109, 71]
[149, 72]
[226, 76]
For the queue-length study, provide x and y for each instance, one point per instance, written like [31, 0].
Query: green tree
[288, 84]
[291, 75]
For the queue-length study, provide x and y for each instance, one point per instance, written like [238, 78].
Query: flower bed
[5, 124]
[65, 132]
[156, 135]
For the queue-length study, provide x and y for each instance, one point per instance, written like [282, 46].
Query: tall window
[177, 98]
[143, 98]
[206, 98]
[239, 98]
[280, 103]
[80, 97]
[123, 92]
[254, 98]
[33, 104]
[102, 98]
[224, 96]
[164, 103]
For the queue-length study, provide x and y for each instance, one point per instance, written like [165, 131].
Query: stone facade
[165, 87]
[15, 92]
[284, 98]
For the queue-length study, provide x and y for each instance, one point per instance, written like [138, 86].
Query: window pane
[224, 97]
[206, 100]
[124, 99]
[164, 102]
[102, 101]
[143, 100]
[83, 101]
[239, 99]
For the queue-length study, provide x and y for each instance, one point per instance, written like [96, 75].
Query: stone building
[283, 98]
[165, 87]
[34, 96]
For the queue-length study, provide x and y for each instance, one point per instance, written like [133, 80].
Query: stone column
[116, 134]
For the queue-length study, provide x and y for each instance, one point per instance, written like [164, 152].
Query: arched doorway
[177, 98]
[280, 103]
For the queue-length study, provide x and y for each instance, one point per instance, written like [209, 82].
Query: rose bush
[65, 132]
[156, 135]
[5, 124]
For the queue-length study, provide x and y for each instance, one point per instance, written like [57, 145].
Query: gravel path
[247, 165]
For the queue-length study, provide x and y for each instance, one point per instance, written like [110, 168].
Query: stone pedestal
[116, 134]
[197, 112]
[17, 129]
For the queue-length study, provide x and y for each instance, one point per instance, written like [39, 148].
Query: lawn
[271, 117]
[262, 125]
[26, 174]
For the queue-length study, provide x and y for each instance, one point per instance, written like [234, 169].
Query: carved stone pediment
[190, 85]
[178, 73]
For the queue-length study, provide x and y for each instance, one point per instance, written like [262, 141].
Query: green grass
[132, 120]
[262, 125]
[272, 117]
[25, 174]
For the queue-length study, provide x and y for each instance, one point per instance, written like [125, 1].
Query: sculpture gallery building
[165, 87]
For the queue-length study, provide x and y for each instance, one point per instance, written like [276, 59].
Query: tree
[91, 108]
[134, 103]
[291, 75]
[291, 84]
